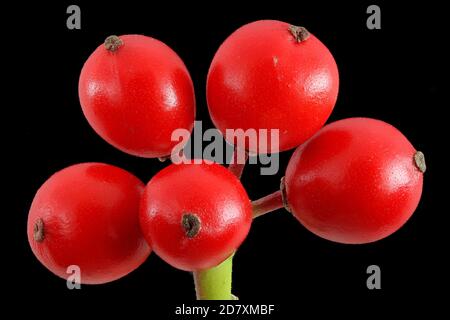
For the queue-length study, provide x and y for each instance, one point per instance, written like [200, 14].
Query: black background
[390, 74]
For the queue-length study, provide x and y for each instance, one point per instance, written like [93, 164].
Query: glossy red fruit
[271, 75]
[87, 215]
[134, 91]
[195, 215]
[357, 180]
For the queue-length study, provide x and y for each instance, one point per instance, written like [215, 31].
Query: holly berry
[195, 215]
[357, 180]
[87, 215]
[134, 91]
[272, 75]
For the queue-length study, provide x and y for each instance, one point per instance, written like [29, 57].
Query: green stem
[215, 283]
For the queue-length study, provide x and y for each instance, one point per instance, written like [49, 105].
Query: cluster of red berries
[356, 180]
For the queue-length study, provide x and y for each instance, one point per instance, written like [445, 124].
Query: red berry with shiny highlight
[135, 91]
[357, 180]
[195, 215]
[87, 215]
[271, 75]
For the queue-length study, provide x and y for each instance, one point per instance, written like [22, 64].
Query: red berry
[134, 91]
[195, 215]
[271, 75]
[87, 215]
[357, 180]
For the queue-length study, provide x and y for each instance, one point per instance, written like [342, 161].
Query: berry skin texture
[134, 91]
[87, 215]
[195, 215]
[356, 181]
[271, 75]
